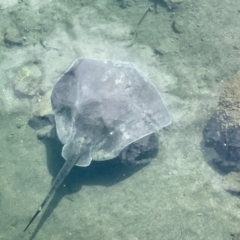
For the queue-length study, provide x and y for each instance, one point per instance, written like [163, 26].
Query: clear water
[189, 52]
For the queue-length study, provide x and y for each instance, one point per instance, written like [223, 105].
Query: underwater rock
[28, 80]
[42, 117]
[43, 107]
[12, 37]
[172, 4]
[178, 26]
[222, 131]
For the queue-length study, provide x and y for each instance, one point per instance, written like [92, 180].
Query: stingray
[100, 108]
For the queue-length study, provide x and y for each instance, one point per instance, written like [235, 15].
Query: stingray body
[100, 108]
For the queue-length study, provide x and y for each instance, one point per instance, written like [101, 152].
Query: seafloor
[189, 50]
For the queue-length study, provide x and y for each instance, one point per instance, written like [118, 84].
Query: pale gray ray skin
[100, 108]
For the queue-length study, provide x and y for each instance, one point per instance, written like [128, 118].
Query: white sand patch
[7, 3]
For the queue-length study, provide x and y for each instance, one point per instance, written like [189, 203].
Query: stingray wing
[110, 102]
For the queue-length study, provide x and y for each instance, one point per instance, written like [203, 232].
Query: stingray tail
[32, 219]
[58, 180]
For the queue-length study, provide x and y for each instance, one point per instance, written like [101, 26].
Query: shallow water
[189, 53]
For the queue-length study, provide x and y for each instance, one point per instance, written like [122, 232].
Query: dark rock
[40, 122]
[178, 26]
[141, 151]
[13, 37]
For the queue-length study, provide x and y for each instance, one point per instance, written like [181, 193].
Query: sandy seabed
[177, 196]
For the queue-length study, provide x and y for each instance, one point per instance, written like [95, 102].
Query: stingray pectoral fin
[78, 147]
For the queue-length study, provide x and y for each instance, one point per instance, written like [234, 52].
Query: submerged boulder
[28, 80]
[222, 131]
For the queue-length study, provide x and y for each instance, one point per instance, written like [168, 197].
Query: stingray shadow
[105, 173]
